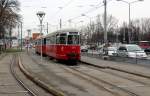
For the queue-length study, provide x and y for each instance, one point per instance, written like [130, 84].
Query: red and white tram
[61, 45]
[38, 45]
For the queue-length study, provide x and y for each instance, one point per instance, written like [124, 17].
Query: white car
[111, 51]
[131, 50]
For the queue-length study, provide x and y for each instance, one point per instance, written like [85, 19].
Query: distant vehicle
[131, 50]
[28, 46]
[111, 51]
[84, 48]
[145, 45]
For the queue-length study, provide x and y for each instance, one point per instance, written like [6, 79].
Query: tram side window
[62, 40]
[73, 39]
[47, 40]
[53, 39]
[57, 40]
[50, 40]
[38, 42]
[44, 41]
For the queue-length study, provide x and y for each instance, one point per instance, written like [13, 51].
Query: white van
[131, 50]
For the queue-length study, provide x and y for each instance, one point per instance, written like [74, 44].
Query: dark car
[84, 49]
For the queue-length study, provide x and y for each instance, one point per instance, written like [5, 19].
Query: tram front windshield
[73, 39]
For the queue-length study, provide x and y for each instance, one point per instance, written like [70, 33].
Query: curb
[36, 80]
[113, 68]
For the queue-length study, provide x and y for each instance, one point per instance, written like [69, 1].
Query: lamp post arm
[135, 1]
[124, 1]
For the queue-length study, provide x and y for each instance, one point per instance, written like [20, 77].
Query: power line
[91, 10]
[65, 5]
[94, 9]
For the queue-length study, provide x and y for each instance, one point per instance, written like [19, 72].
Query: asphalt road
[145, 62]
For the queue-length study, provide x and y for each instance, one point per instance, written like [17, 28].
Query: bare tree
[97, 29]
[8, 16]
[8, 10]
[143, 27]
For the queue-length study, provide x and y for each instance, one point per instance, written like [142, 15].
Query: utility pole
[18, 35]
[60, 23]
[47, 27]
[105, 21]
[130, 30]
[21, 36]
[10, 33]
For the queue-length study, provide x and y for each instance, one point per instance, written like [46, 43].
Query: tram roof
[62, 31]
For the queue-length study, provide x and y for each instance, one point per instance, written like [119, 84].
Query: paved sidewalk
[8, 85]
[119, 65]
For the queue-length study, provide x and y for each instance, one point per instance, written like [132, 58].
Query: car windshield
[134, 48]
[112, 48]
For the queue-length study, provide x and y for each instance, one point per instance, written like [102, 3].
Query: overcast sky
[68, 9]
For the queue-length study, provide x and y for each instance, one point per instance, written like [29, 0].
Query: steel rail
[129, 92]
[40, 83]
[13, 62]
[122, 76]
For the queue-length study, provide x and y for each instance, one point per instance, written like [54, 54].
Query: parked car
[111, 51]
[131, 50]
[84, 48]
[145, 45]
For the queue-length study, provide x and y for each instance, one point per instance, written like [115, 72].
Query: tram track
[95, 81]
[130, 77]
[13, 72]
[100, 87]
[102, 69]
[107, 85]
[115, 90]
[116, 69]
[37, 80]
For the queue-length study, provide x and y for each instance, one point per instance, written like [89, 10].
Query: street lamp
[129, 4]
[41, 15]
[105, 21]
[89, 33]
[29, 32]
[20, 30]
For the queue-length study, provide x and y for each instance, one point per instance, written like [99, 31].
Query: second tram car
[38, 46]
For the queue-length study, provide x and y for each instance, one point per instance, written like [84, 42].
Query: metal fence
[116, 58]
